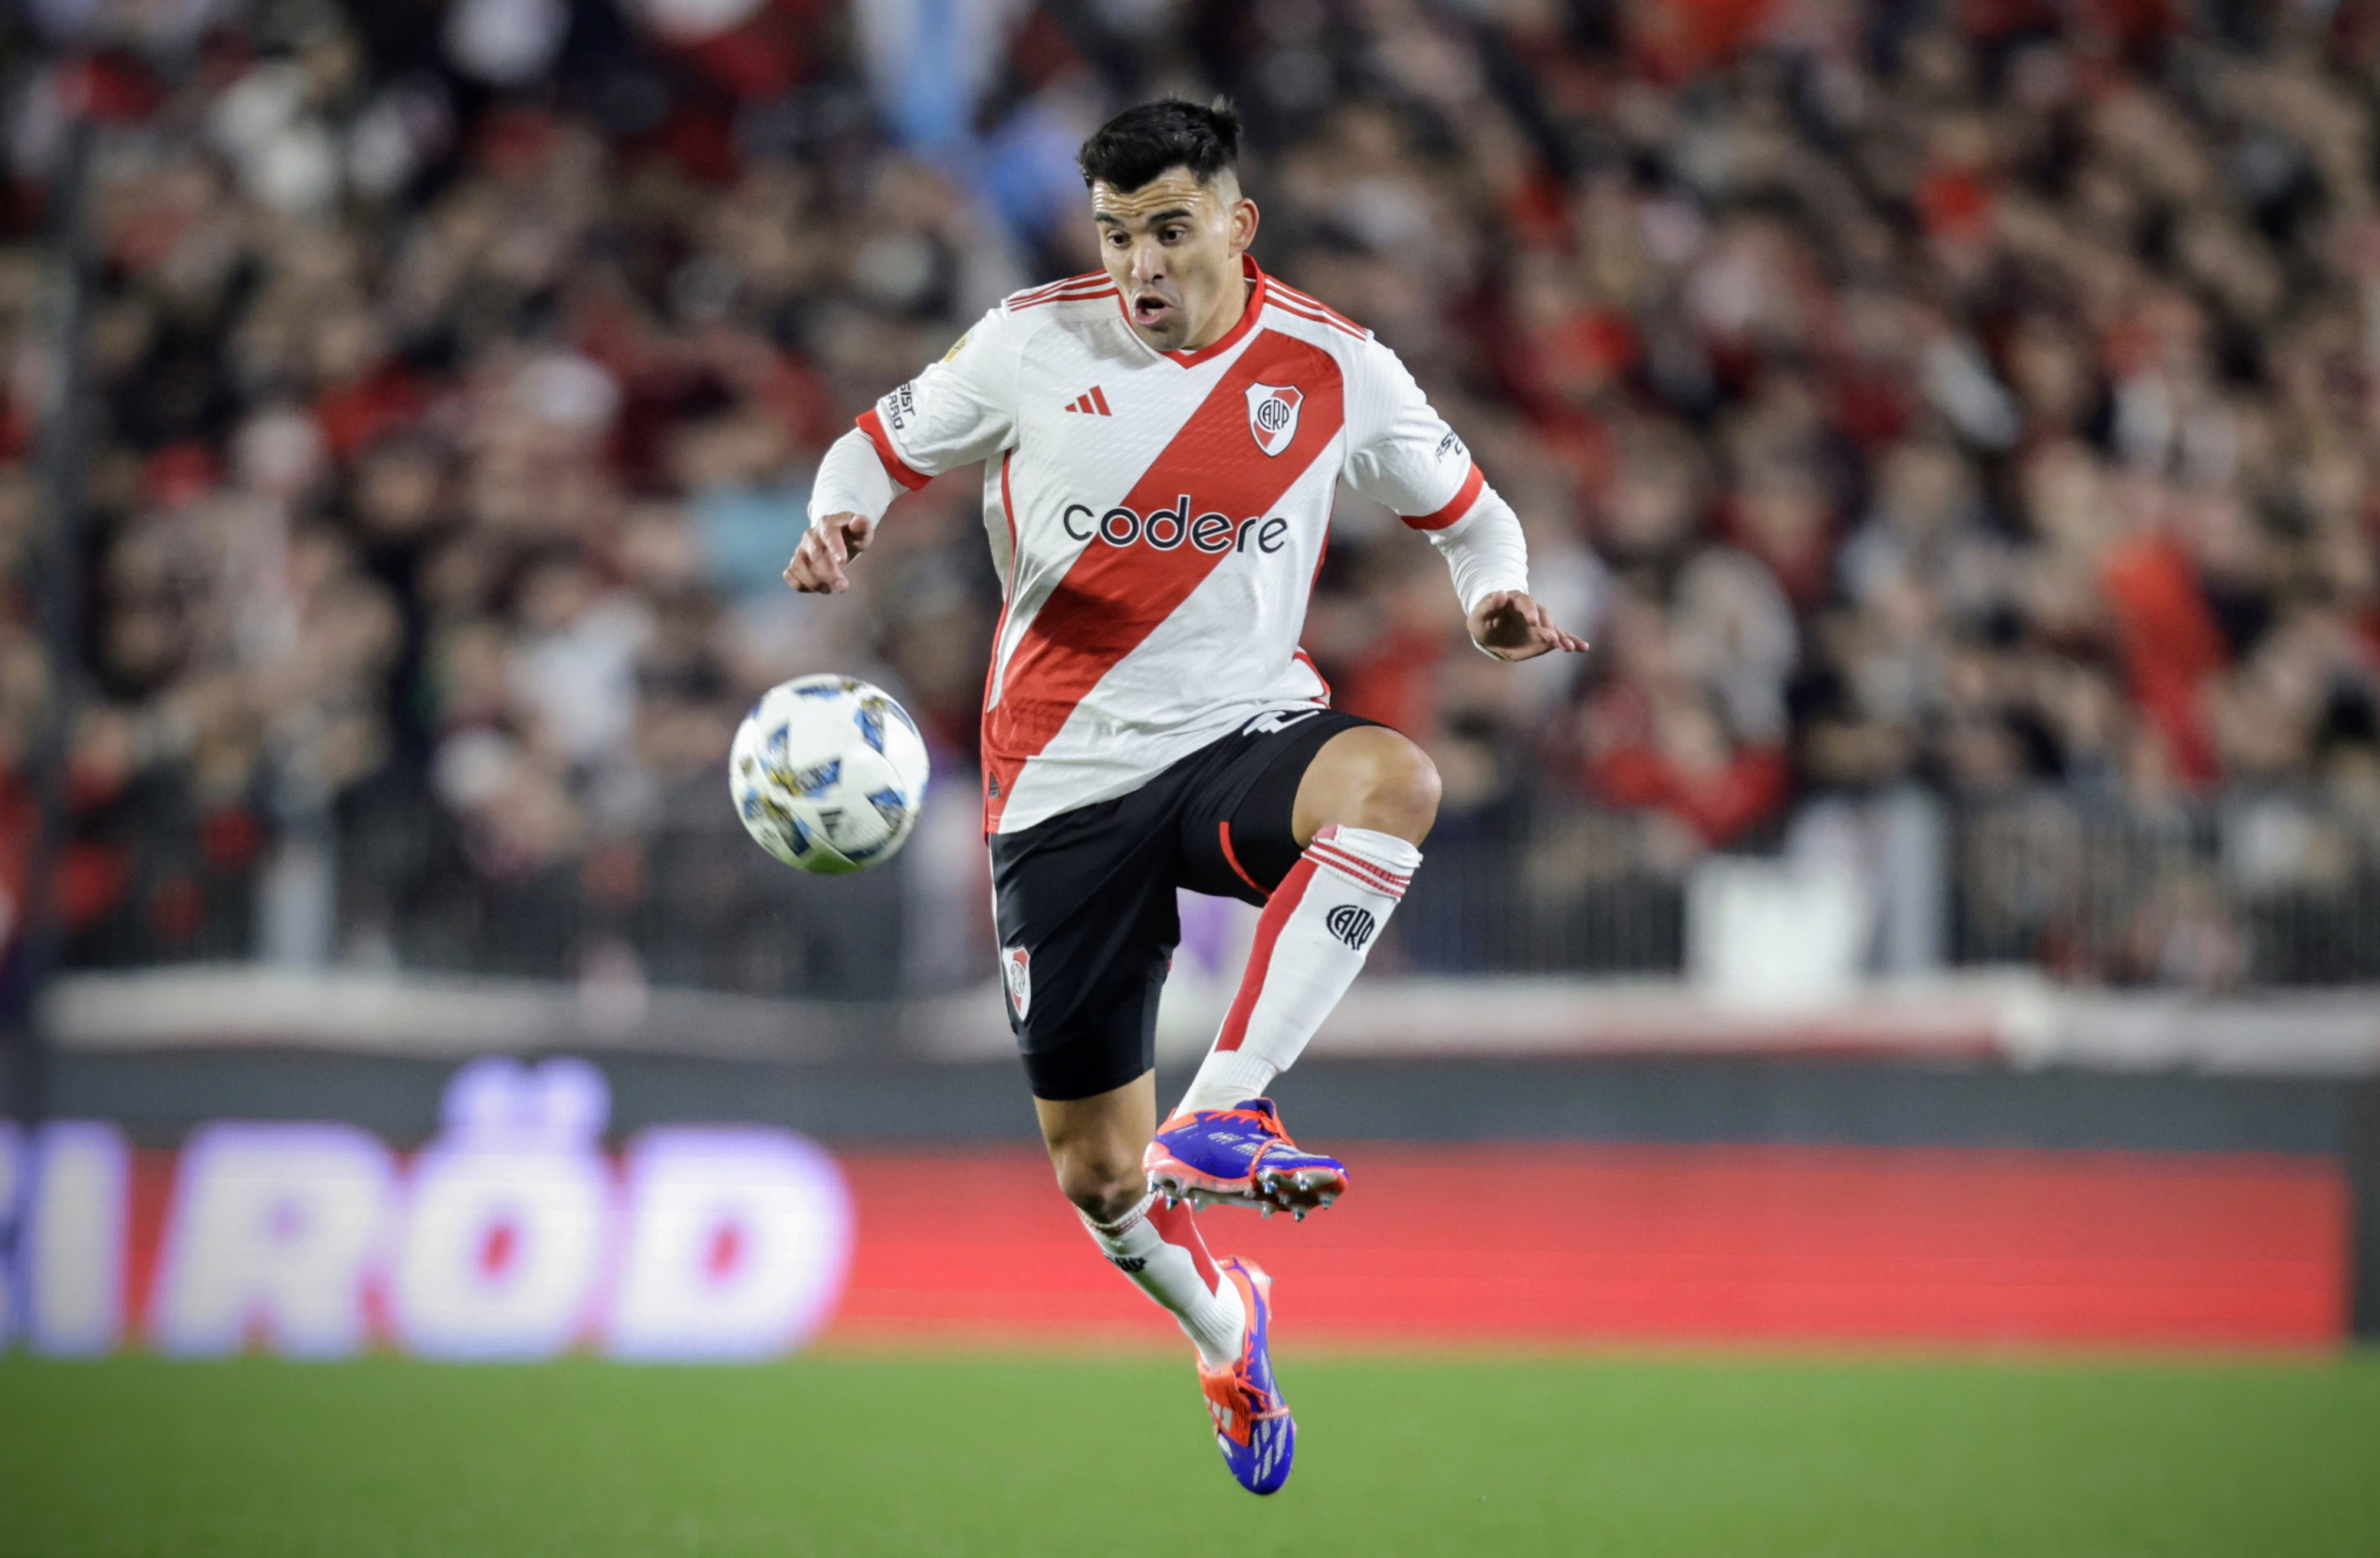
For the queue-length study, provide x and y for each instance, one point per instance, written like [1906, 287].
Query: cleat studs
[1298, 1212]
[1268, 1209]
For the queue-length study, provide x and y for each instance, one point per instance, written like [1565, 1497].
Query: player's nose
[1148, 264]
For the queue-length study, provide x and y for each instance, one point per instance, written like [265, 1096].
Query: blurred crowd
[1956, 425]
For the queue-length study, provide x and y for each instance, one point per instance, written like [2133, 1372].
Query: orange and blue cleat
[1253, 1427]
[1243, 1157]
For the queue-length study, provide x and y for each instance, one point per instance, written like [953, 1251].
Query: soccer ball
[827, 772]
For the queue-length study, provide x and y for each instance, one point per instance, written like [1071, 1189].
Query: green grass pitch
[850, 1456]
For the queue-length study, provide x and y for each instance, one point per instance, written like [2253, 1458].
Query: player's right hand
[833, 542]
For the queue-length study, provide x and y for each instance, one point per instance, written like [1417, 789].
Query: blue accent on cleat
[1243, 1156]
[1252, 1428]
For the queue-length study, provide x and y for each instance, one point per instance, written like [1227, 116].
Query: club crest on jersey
[1272, 415]
[1016, 969]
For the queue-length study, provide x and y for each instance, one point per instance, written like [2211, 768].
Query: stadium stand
[1957, 439]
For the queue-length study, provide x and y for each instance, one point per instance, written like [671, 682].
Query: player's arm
[956, 413]
[1408, 459]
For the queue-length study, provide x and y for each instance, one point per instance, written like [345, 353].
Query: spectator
[1953, 410]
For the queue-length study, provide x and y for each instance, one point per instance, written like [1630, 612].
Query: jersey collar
[1231, 337]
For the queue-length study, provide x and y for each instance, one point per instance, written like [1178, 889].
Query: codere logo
[1169, 528]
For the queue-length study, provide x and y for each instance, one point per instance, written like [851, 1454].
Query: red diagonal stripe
[1114, 597]
[1100, 399]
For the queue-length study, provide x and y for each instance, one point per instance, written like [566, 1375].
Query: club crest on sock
[1352, 925]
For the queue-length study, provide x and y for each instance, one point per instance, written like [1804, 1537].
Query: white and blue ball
[827, 773]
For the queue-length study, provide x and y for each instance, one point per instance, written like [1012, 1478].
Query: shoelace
[1236, 1403]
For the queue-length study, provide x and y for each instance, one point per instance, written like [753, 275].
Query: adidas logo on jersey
[1094, 403]
[1168, 528]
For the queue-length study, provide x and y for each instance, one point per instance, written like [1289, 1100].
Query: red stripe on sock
[1174, 1224]
[1361, 872]
[1278, 909]
[1345, 856]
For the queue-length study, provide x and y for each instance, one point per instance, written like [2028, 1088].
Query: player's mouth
[1150, 309]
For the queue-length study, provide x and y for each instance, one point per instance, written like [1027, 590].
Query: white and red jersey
[1158, 517]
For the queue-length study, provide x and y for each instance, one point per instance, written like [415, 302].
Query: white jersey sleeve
[1403, 456]
[852, 480]
[960, 411]
[1400, 454]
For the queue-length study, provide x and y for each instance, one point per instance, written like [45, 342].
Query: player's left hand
[1511, 626]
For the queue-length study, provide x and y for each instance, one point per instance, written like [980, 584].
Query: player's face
[1173, 247]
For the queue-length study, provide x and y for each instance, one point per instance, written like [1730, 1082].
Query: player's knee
[1102, 1186]
[1400, 790]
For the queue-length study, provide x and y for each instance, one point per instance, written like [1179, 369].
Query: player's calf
[1095, 1147]
[1225, 1142]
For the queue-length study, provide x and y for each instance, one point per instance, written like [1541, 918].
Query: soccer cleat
[1253, 1427]
[1241, 1156]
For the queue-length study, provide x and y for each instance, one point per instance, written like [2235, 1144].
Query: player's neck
[1226, 319]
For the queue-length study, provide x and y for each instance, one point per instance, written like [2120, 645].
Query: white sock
[1159, 1247]
[1309, 946]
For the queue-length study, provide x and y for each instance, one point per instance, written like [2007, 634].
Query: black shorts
[1085, 900]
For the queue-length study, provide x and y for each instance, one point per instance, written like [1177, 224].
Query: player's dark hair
[1140, 144]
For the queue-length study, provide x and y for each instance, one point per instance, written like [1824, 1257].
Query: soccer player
[1160, 443]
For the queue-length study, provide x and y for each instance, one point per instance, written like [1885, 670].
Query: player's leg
[1095, 1146]
[1087, 921]
[1350, 814]
[1363, 807]
[1088, 925]
[1224, 1304]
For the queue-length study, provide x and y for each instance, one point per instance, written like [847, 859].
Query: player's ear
[1244, 217]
